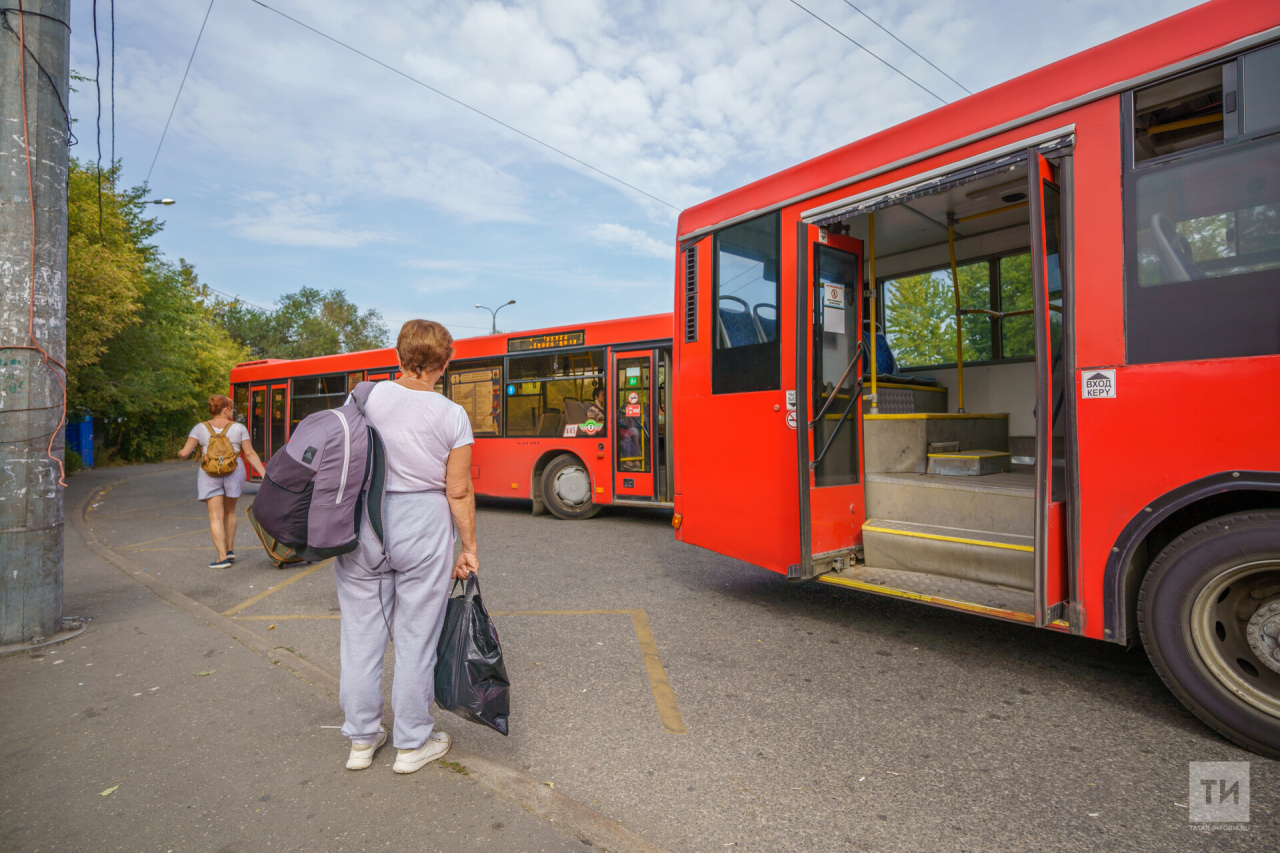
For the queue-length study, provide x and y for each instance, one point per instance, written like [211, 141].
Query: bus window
[920, 316]
[477, 387]
[354, 379]
[240, 400]
[551, 395]
[277, 418]
[1204, 256]
[633, 415]
[1180, 114]
[315, 394]
[746, 355]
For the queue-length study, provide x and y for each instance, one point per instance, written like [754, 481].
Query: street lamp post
[494, 314]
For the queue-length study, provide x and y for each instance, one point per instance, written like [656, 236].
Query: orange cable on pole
[31, 197]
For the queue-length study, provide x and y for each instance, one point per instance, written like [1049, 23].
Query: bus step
[1006, 559]
[998, 602]
[969, 463]
[1003, 503]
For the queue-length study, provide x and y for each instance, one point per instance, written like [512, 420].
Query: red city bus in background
[1015, 357]
[529, 395]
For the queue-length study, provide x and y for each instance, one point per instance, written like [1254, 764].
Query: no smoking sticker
[791, 420]
[1097, 383]
[633, 398]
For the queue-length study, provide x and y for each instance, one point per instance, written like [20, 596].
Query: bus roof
[1056, 87]
[645, 329]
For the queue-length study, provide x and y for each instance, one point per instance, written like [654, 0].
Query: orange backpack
[219, 458]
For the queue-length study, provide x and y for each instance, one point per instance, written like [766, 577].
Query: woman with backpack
[220, 477]
[405, 580]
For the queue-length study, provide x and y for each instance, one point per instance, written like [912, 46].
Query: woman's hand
[466, 564]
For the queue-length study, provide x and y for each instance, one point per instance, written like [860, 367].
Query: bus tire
[1209, 616]
[566, 488]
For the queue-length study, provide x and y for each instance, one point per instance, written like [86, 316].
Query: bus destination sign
[555, 340]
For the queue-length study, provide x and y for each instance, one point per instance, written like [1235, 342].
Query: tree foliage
[144, 349]
[304, 324]
[105, 263]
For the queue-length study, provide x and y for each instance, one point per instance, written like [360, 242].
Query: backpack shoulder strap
[223, 431]
[360, 394]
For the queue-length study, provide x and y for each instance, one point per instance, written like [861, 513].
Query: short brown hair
[424, 345]
[218, 403]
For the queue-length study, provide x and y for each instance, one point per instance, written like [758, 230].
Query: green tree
[105, 263]
[304, 324]
[144, 352]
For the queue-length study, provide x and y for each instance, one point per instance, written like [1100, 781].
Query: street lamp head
[512, 302]
[164, 201]
[478, 305]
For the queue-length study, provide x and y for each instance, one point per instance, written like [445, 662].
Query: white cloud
[298, 221]
[632, 240]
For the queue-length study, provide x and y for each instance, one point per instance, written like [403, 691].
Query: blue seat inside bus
[743, 325]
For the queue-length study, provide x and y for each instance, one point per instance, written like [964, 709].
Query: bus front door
[634, 447]
[830, 374]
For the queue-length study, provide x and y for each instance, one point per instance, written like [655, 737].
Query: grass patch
[455, 767]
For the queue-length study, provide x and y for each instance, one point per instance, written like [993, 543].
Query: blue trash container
[79, 435]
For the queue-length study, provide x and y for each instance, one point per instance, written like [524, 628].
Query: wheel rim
[1227, 610]
[572, 486]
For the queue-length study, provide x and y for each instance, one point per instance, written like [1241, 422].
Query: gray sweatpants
[420, 534]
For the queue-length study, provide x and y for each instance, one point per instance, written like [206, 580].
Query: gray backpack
[315, 489]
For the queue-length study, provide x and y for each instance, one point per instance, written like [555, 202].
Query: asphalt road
[815, 718]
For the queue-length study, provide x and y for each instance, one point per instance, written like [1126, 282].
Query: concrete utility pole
[31, 396]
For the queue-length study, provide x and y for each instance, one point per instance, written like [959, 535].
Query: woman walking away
[428, 491]
[218, 490]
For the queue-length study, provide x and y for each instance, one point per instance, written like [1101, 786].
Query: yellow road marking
[293, 578]
[983, 542]
[663, 696]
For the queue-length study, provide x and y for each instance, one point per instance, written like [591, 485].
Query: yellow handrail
[955, 283]
[871, 261]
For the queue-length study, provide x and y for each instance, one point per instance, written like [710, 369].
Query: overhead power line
[907, 46]
[465, 105]
[179, 95]
[886, 62]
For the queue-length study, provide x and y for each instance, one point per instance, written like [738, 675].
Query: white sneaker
[412, 760]
[362, 753]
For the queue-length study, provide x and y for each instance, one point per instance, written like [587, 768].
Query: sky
[295, 162]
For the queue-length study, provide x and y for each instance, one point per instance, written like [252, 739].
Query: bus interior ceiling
[951, 493]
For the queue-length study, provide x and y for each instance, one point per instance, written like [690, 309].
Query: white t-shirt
[418, 428]
[235, 434]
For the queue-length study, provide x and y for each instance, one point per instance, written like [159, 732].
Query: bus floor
[815, 717]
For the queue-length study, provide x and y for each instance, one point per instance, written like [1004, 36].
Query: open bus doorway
[964, 349]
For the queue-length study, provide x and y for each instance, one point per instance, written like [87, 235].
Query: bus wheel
[566, 488]
[1209, 615]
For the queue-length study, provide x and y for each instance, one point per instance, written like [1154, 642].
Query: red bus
[540, 433]
[1011, 357]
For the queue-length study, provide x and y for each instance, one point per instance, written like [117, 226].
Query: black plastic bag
[471, 680]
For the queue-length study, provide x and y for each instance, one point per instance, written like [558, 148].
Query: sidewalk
[232, 760]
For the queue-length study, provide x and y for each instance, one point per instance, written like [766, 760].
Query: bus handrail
[858, 352]
[853, 398]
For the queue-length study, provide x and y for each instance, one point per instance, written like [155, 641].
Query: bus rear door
[830, 364]
[635, 448]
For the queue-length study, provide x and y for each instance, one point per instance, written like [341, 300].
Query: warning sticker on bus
[1098, 383]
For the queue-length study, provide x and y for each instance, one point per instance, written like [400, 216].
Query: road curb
[536, 797]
